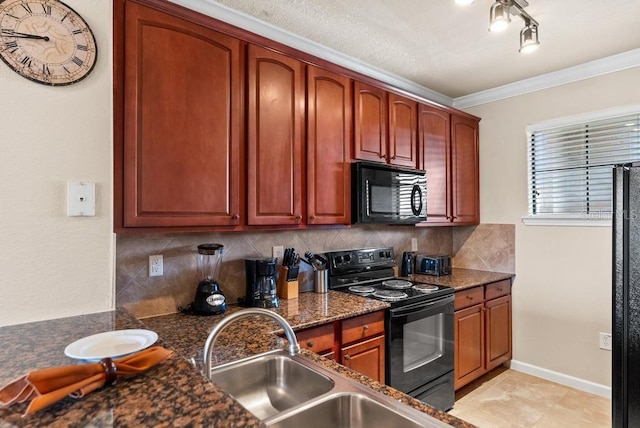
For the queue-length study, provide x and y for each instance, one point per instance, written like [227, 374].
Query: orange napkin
[47, 386]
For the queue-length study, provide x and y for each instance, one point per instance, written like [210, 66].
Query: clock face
[46, 41]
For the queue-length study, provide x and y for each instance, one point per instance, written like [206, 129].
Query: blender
[209, 298]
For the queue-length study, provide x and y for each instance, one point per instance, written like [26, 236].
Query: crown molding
[576, 73]
[264, 29]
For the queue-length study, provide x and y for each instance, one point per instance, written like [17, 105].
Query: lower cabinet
[366, 357]
[482, 330]
[357, 343]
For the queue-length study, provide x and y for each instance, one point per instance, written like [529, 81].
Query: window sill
[565, 221]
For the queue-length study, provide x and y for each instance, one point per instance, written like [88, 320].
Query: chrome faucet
[293, 346]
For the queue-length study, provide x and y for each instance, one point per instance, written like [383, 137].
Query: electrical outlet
[414, 244]
[605, 341]
[277, 252]
[156, 265]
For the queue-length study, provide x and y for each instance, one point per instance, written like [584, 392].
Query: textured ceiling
[446, 47]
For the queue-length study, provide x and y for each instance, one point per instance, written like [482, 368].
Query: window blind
[570, 166]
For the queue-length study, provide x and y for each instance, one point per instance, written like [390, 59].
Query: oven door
[419, 343]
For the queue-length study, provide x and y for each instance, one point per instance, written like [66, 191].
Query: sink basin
[353, 410]
[269, 384]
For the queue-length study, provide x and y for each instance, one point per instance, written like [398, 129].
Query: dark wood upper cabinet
[402, 131]
[329, 123]
[465, 180]
[370, 133]
[448, 146]
[434, 140]
[181, 160]
[275, 132]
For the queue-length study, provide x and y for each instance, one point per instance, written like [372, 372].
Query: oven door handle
[421, 306]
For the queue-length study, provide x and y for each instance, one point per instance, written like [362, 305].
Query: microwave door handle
[418, 191]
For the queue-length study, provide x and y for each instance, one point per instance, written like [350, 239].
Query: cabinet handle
[469, 298]
[365, 327]
[310, 344]
[312, 217]
[448, 217]
[500, 289]
[235, 216]
[347, 357]
[298, 217]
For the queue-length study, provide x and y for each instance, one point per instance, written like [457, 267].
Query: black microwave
[383, 194]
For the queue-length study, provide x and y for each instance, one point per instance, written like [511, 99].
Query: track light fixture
[529, 37]
[500, 16]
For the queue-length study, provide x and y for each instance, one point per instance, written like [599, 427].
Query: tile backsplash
[484, 247]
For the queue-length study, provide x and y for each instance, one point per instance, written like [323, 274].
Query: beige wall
[562, 291]
[52, 265]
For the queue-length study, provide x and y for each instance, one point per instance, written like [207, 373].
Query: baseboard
[563, 379]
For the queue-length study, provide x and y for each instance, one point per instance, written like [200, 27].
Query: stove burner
[390, 295]
[361, 289]
[425, 288]
[397, 284]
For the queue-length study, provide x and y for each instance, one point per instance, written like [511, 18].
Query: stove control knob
[388, 254]
[382, 254]
[338, 259]
[347, 258]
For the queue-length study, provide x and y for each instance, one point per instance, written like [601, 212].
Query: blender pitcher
[209, 298]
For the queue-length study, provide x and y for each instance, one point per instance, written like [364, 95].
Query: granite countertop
[461, 279]
[174, 393]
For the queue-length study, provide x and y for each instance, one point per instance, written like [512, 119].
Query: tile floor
[507, 398]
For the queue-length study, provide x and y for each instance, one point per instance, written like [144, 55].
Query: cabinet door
[181, 159]
[435, 157]
[329, 119]
[469, 339]
[464, 172]
[317, 339]
[275, 137]
[498, 331]
[366, 357]
[370, 110]
[402, 131]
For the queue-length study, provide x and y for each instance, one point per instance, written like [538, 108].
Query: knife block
[287, 289]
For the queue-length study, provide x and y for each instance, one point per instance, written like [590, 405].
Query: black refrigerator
[625, 382]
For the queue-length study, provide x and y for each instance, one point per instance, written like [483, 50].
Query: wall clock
[46, 41]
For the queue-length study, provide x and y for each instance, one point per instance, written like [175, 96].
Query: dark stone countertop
[461, 279]
[170, 394]
[173, 393]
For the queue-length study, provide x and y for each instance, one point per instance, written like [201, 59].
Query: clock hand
[16, 34]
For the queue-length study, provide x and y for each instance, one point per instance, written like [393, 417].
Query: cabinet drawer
[469, 297]
[317, 339]
[363, 326]
[497, 289]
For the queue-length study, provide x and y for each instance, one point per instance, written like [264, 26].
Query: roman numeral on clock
[47, 9]
[26, 7]
[11, 45]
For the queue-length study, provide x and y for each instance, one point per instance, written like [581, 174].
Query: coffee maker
[261, 283]
[209, 298]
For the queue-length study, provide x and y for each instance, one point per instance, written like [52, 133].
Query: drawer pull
[310, 344]
[365, 327]
[500, 289]
[347, 357]
[470, 297]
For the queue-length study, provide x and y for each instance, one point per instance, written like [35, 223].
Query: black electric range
[369, 272]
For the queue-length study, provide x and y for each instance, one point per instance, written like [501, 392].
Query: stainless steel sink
[285, 390]
[352, 410]
[270, 383]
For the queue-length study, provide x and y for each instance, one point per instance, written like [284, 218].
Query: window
[570, 165]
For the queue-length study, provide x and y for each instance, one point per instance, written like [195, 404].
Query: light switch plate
[81, 196]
